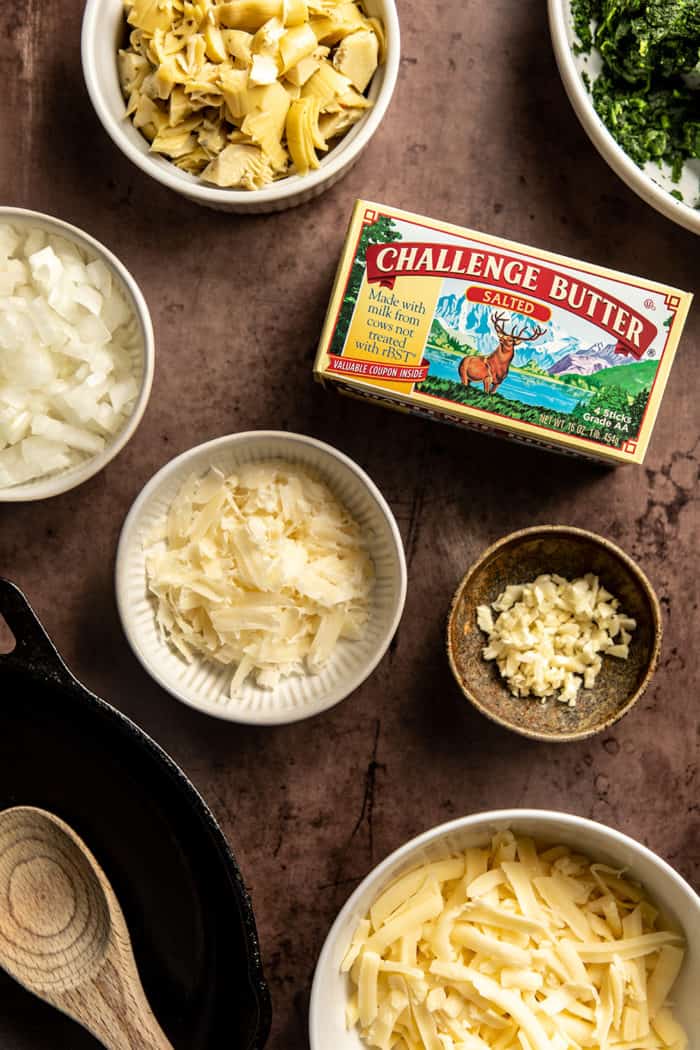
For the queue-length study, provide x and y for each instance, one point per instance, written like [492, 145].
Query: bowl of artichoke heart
[632, 73]
[245, 105]
[554, 633]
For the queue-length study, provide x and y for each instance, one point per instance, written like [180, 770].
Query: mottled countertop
[480, 133]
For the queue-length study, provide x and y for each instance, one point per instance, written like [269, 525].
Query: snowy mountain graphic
[555, 351]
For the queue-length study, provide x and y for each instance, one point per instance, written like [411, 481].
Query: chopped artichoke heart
[326, 85]
[303, 134]
[133, 69]
[265, 125]
[357, 57]
[295, 45]
[212, 138]
[267, 39]
[194, 162]
[179, 108]
[264, 70]
[338, 23]
[293, 90]
[238, 45]
[166, 78]
[215, 44]
[248, 14]
[150, 15]
[295, 12]
[149, 118]
[353, 100]
[239, 166]
[377, 26]
[178, 141]
[303, 70]
[234, 68]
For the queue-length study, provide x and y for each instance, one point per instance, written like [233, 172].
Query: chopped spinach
[647, 46]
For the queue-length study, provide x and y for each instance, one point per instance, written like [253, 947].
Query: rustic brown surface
[480, 133]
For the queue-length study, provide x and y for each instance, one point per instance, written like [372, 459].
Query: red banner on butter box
[379, 369]
[508, 301]
[634, 332]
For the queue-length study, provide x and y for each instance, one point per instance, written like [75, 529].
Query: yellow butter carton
[476, 330]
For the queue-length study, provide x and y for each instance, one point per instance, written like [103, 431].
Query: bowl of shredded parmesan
[260, 577]
[554, 633]
[513, 930]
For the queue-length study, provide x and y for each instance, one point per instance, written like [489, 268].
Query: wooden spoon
[63, 934]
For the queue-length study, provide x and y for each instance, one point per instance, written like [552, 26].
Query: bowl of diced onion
[76, 356]
[260, 577]
[513, 928]
[220, 103]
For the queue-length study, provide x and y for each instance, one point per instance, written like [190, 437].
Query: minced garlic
[245, 92]
[551, 634]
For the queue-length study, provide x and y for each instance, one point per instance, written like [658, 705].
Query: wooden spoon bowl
[63, 934]
[569, 552]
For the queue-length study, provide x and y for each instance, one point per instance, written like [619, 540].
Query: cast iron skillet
[187, 908]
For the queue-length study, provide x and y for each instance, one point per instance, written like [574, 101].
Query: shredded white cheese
[514, 948]
[263, 570]
[550, 635]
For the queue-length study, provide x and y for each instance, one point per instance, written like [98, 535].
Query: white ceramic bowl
[650, 183]
[103, 33]
[675, 897]
[53, 485]
[203, 684]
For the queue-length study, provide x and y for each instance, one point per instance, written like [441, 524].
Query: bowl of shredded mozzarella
[513, 930]
[76, 356]
[260, 577]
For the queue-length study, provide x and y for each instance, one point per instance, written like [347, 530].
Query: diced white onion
[68, 346]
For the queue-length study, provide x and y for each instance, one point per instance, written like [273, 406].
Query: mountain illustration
[555, 352]
[586, 361]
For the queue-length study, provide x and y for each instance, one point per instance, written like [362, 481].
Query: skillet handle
[34, 651]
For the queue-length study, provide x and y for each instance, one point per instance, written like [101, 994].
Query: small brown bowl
[569, 552]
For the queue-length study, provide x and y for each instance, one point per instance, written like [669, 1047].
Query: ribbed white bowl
[203, 684]
[103, 33]
[666, 888]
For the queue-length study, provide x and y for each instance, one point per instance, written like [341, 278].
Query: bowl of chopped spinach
[631, 69]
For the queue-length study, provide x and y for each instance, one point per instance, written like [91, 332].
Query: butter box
[475, 330]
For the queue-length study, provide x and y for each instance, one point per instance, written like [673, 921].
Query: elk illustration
[492, 369]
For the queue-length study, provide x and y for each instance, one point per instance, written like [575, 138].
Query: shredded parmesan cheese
[505, 956]
[550, 635]
[263, 570]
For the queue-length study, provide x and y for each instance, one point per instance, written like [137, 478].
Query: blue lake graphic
[530, 390]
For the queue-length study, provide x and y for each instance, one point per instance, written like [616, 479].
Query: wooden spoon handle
[114, 1008]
